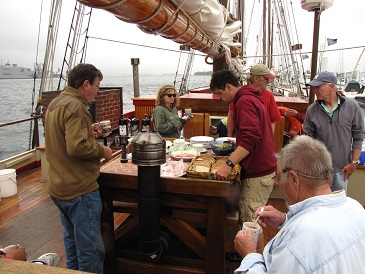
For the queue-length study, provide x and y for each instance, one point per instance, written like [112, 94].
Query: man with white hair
[323, 231]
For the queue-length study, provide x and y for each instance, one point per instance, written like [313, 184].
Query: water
[16, 98]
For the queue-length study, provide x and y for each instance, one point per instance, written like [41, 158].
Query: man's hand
[107, 153]
[223, 172]
[244, 242]
[348, 170]
[291, 112]
[213, 130]
[270, 217]
[96, 130]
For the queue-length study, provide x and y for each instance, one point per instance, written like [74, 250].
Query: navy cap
[322, 78]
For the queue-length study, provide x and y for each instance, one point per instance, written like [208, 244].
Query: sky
[19, 21]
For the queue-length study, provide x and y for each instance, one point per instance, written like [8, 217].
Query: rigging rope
[37, 109]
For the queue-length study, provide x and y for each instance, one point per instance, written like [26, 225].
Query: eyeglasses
[97, 85]
[171, 95]
[287, 169]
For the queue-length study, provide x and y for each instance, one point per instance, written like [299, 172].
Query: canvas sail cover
[200, 24]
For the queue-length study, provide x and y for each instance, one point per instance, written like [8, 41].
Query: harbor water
[17, 97]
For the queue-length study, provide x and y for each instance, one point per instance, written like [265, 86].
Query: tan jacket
[71, 149]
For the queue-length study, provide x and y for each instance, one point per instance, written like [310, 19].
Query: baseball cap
[322, 78]
[262, 70]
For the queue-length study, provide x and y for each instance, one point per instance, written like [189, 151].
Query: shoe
[233, 256]
[51, 259]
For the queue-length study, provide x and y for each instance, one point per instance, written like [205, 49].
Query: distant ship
[12, 71]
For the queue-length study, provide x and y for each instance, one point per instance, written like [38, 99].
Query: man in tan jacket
[74, 165]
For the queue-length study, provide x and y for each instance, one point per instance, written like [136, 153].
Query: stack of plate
[206, 141]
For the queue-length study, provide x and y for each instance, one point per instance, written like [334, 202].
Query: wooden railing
[35, 129]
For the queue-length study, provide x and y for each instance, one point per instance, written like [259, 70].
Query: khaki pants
[255, 192]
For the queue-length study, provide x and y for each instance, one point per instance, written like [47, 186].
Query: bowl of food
[223, 148]
[185, 153]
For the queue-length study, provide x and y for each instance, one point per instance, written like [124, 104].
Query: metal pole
[135, 63]
[317, 16]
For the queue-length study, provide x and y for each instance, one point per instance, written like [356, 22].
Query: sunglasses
[171, 95]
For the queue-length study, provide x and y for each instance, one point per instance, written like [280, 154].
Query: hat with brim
[262, 70]
[322, 78]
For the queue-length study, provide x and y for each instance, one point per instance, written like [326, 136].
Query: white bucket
[8, 185]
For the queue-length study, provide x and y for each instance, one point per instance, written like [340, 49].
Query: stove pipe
[149, 152]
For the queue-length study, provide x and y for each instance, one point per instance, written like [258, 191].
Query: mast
[264, 49]
[317, 7]
[219, 62]
[317, 18]
[270, 35]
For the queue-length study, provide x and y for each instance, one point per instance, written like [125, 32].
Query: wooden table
[188, 207]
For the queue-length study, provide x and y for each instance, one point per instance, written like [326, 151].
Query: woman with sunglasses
[166, 120]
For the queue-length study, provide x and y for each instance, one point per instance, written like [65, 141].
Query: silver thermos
[146, 124]
[134, 128]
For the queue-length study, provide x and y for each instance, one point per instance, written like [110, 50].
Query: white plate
[201, 139]
[223, 139]
[173, 169]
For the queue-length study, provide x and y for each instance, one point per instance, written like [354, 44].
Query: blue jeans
[338, 183]
[81, 220]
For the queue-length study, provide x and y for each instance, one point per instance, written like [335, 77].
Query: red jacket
[254, 132]
[271, 106]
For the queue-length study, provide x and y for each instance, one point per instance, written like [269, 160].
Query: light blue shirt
[323, 234]
[330, 112]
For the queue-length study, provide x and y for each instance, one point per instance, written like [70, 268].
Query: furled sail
[204, 25]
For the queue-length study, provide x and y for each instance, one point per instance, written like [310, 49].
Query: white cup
[256, 230]
[105, 128]
[188, 112]
[179, 142]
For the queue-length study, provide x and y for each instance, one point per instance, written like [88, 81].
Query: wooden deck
[31, 219]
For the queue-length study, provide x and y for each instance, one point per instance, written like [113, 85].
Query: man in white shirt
[323, 231]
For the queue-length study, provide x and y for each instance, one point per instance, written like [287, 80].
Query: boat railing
[35, 129]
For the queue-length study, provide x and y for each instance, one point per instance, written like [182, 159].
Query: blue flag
[331, 41]
[305, 56]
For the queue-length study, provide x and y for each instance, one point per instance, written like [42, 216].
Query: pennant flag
[305, 56]
[331, 41]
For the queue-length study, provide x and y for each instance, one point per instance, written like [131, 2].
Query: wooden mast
[219, 62]
[317, 17]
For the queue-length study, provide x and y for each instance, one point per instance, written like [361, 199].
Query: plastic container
[8, 185]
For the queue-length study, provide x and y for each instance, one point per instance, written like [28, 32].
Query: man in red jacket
[259, 78]
[254, 142]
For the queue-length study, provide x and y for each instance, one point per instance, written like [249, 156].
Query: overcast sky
[19, 20]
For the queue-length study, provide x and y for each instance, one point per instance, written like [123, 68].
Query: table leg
[107, 229]
[216, 235]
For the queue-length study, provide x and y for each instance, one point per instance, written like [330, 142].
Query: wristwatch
[355, 162]
[230, 163]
